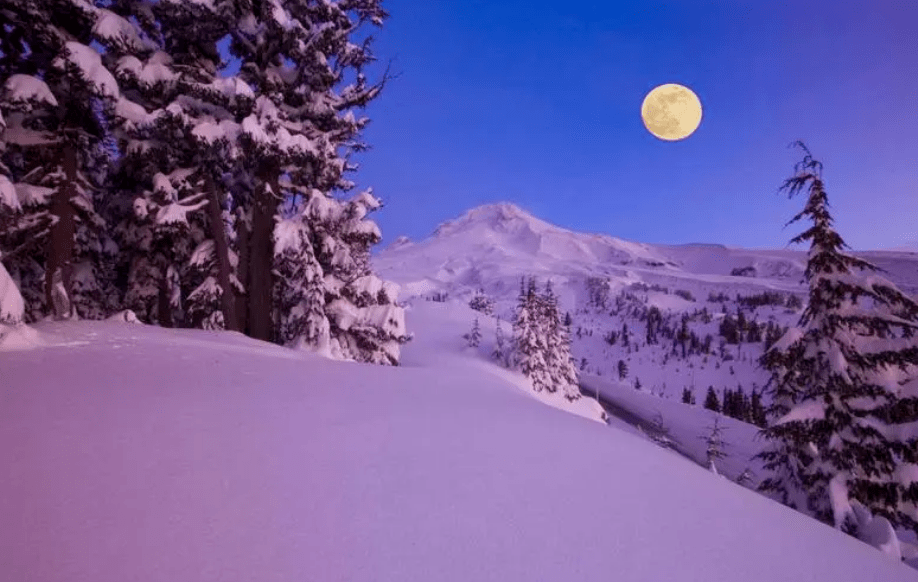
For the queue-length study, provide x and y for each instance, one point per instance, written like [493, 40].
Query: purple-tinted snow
[135, 453]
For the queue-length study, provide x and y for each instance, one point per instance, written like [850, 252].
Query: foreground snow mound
[137, 453]
[18, 337]
[11, 305]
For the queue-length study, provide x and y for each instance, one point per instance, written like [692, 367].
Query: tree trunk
[261, 262]
[164, 304]
[221, 249]
[61, 240]
[242, 306]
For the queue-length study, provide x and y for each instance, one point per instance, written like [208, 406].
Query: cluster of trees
[139, 171]
[772, 298]
[482, 303]
[733, 403]
[841, 436]
[740, 330]
[542, 342]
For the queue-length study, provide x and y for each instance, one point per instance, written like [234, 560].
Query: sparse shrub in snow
[843, 384]
[685, 294]
[746, 478]
[660, 432]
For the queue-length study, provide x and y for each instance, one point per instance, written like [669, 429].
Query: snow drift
[146, 454]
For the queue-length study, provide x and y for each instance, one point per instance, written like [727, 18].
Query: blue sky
[538, 103]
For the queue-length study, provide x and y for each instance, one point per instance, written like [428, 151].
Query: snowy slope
[144, 454]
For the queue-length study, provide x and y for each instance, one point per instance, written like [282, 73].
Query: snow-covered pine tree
[300, 288]
[178, 143]
[556, 339]
[501, 351]
[843, 382]
[296, 55]
[473, 338]
[366, 323]
[57, 100]
[714, 442]
[529, 338]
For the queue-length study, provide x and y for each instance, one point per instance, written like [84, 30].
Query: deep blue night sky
[538, 102]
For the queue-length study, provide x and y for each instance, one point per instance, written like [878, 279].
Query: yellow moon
[671, 112]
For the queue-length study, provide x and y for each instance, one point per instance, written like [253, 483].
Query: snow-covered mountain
[495, 242]
[488, 249]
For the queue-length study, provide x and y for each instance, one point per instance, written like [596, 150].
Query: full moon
[671, 112]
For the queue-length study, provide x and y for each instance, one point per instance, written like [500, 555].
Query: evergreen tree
[529, 342]
[714, 442]
[622, 370]
[842, 383]
[179, 142]
[474, 337]
[710, 401]
[57, 100]
[295, 57]
[501, 352]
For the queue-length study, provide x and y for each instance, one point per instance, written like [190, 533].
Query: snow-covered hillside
[488, 249]
[145, 454]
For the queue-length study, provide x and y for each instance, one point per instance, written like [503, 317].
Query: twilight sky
[538, 102]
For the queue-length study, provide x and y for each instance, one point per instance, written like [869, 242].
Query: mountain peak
[498, 216]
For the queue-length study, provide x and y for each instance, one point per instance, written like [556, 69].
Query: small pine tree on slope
[561, 368]
[843, 386]
[543, 343]
[529, 339]
[474, 337]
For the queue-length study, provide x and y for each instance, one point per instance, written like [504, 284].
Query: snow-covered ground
[137, 453]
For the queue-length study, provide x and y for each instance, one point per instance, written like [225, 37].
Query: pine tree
[711, 402]
[528, 341]
[501, 352]
[566, 374]
[179, 140]
[473, 338]
[842, 382]
[58, 99]
[714, 442]
[302, 125]
[622, 370]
